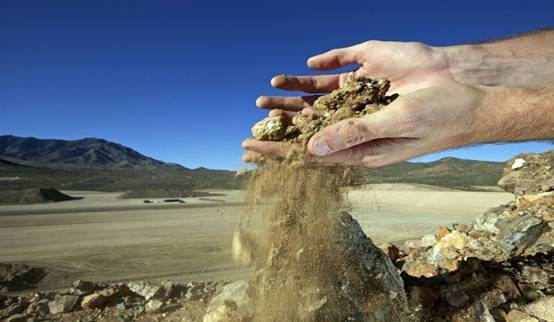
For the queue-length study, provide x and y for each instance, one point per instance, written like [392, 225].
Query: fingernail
[320, 147]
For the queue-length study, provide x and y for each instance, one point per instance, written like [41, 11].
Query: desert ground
[103, 238]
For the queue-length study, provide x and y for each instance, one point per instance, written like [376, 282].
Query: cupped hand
[435, 111]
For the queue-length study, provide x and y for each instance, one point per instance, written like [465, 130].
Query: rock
[477, 312]
[511, 231]
[38, 307]
[441, 232]
[270, 129]
[194, 291]
[518, 163]
[368, 287]
[13, 308]
[62, 303]
[463, 228]
[237, 293]
[93, 301]
[520, 233]
[146, 290]
[449, 250]
[423, 295]
[391, 251]
[529, 173]
[224, 313]
[17, 276]
[456, 298]
[518, 316]
[535, 275]
[153, 305]
[420, 267]
[507, 286]
[427, 241]
[342, 113]
[84, 287]
[21, 317]
[542, 309]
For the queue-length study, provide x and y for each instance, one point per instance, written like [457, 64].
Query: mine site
[171, 161]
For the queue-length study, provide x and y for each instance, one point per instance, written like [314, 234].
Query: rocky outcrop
[86, 301]
[499, 267]
[529, 173]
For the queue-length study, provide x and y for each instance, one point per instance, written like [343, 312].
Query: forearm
[509, 114]
[521, 62]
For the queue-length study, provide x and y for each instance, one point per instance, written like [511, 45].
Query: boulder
[529, 173]
[93, 301]
[153, 305]
[518, 316]
[147, 290]
[420, 267]
[62, 303]
[237, 293]
[226, 312]
[542, 309]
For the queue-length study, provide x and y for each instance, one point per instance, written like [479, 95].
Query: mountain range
[97, 164]
[76, 154]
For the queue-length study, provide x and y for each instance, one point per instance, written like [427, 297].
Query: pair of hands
[444, 103]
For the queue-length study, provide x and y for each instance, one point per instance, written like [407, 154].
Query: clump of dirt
[358, 97]
[313, 261]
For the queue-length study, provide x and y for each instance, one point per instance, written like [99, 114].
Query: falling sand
[313, 262]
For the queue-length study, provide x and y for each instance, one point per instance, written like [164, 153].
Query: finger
[401, 153]
[252, 157]
[286, 103]
[268, 148]
[305, 112]
[309, 84]
[391, 122]
[308, 111]
[360, 154]
[337, 58]
[288, 115]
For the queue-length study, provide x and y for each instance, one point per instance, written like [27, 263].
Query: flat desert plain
[103, 238]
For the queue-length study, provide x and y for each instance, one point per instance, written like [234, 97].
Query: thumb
[386, 123]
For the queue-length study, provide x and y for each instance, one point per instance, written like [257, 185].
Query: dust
[313, 262]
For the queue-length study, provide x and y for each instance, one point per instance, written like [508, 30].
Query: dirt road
[191, 242]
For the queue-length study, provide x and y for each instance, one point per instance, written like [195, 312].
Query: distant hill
[7, 165]
[96, 164]
[447, 172]
[74, 154]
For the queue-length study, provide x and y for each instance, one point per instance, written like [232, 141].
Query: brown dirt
[359, 96]
[300, 260]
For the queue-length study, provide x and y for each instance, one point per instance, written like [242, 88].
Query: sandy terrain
[103, 238]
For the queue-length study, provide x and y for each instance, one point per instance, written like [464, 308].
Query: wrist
[497, 64]
[516, 114]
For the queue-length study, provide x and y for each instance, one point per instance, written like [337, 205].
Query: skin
[449, 97]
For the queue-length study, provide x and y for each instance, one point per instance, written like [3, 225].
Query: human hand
[441, 104]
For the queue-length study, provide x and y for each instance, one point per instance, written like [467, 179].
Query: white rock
[518, 163]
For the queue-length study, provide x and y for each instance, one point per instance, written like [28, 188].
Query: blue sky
[177, 80]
